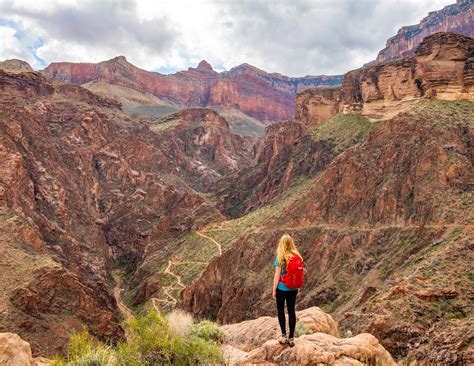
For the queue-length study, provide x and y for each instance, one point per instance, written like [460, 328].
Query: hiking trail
[124, 309]
[219, 247]
[169, 288]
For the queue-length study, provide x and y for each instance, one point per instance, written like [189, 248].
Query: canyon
[127, 189]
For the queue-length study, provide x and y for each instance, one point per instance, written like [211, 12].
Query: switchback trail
[219, 247]
[169, 288]
[124, 309]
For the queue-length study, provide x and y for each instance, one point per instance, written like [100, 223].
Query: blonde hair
[286, 249]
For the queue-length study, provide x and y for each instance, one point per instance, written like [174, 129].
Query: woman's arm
[276, 279]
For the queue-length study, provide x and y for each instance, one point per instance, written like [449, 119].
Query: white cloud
[13, 47]
[296, 37]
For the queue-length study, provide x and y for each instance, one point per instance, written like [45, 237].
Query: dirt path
[124, 309]
[219, 247]
[179, 282]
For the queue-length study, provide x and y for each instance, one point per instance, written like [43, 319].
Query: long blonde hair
[286, 249]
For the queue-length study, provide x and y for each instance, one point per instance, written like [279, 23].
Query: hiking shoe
[291, 343]
[283, 339]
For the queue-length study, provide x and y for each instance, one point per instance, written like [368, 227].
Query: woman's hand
[274, 294]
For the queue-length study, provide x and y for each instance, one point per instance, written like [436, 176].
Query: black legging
[290, 297]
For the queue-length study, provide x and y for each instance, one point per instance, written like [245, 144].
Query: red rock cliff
[253, 91]
[453, 18]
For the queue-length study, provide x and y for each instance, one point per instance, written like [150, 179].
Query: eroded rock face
[439, 69]
[452, 18]
[395, 202]
[251, 334]
[257, 93]
[317, 105]
[15, 64]
[82, 186]
[200, 143]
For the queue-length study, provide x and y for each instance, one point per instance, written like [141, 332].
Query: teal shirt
[282, 286]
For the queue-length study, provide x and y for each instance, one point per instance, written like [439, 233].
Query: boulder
[251, 334]
[14, 351]
[322, 349]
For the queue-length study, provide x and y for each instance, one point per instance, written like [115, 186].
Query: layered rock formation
[452, 18]
[200, 143]
[442, 68]
[315, 106]
[253, 91]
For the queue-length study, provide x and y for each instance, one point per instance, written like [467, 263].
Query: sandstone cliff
[253, 91]
[452, 18]
[442, 68]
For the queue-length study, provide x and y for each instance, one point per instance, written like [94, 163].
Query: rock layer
[253, 91]
[452, 18]
[315, 106]
[442, 68]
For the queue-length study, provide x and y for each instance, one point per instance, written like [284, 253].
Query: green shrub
[83, 350]
[150, 341]
[301, 329]
[208, 331]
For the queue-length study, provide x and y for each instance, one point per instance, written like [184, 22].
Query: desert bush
[153, 341]
[180, 322]
[208, 331]
[83, 350]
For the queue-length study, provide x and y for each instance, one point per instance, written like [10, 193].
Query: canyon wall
[441, 68]
[82, 187]
[262, 95]
[452, 18]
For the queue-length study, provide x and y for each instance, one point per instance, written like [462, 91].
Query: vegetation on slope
[343, 130]
[153, 339]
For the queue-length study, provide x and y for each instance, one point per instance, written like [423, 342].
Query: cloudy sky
[293, 37]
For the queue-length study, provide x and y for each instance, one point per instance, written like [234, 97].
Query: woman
[282, 293]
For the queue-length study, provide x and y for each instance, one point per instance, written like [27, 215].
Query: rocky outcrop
[15, 64]
[315, 106]
[254, 342]
[14, 351]
[253, 91]
[251, 334]
[452, 18]
[440, 69]
[199, 142]
[322, 349]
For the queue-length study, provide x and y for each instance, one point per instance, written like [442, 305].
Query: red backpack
[294, 275]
